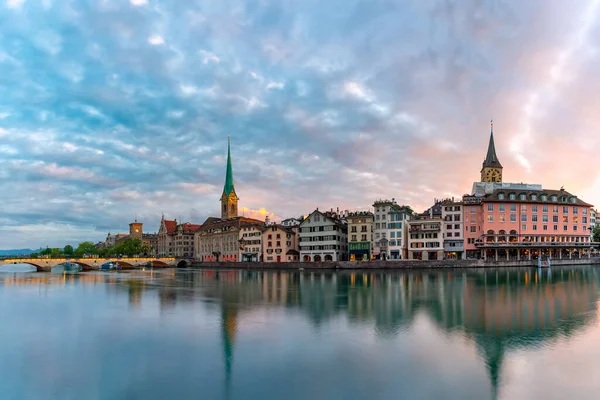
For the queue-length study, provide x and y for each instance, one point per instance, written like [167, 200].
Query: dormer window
[554, 197]
[512, 196]
[534, 197]
[544, 197]
[500, 196]
[522, 196]
[573, 200]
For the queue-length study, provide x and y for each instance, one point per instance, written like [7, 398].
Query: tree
[596, 234]
[68, 250]
[55, 253]
[46, 252]
[130, 247]
[85, 248]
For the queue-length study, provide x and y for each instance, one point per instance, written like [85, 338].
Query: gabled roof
[170, 225]
[190, 228]
[327, 215]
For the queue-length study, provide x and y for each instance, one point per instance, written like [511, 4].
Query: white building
[323, 237]
[251, 248]
[381, 209]
[452, 230]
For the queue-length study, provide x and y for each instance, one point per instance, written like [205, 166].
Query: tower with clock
[135, 230]
[491, 170]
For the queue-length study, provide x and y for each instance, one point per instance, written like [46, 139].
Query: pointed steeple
[229, 175]
[491, 159]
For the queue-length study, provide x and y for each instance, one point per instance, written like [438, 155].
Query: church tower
[229, 200]
[135, 230]
[492, 169]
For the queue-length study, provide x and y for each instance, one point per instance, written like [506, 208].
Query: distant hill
[16, 252]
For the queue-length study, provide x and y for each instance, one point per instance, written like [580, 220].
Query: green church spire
[229, 176]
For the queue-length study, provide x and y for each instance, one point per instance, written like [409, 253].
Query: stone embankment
[400, 264]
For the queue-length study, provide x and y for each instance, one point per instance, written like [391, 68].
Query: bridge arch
[183, 264]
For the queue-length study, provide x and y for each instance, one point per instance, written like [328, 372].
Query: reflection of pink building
[510, 221]
[280, 243]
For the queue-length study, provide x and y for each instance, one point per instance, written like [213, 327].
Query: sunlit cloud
[156, 40]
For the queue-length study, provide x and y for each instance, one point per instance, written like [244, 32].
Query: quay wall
[391, 265]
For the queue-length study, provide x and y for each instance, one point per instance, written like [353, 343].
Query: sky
[115, 110]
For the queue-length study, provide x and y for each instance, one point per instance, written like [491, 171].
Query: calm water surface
[205, 334]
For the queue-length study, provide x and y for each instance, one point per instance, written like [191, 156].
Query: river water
[206, 334]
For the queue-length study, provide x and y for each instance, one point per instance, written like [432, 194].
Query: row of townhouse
[496, 220]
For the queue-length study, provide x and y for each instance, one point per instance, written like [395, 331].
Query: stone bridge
[89, 264]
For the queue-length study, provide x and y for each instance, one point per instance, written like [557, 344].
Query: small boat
[69, 266]
[108, 266]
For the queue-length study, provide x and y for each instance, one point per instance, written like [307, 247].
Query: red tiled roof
[187, 227]
[171, 226]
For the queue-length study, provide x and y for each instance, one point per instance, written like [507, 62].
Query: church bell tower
[229, 199]
[491, 170]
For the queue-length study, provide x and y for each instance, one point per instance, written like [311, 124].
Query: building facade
[280, 243]
[452, 230]
[360, 235]
[508, 221]
[164, 236]
[425, 241]
[323, 237]
[251, 248]
[381, 209]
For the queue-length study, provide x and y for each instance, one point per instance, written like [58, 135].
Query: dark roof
[292, 252]
[562, 197]
[236, 222]
[491, 159]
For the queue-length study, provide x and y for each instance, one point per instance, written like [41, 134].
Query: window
[457, 217]
[554, 197]
[544, 218]
[392, 235]
[555, 227]
[534, 227]
[473, 229]
[574, 227]
[575, 210]
[575, 220]
[448, 226]
[513, 217]
[456, 226]
[566, 228]
[544, 197]
[523, 227]
[502, 218]
[555, 218]
[545, 227]
[555, 209]
[500, 196]
[472, 210]
[565, 210]
[513, 208]
[501, 207]
[534, 218]
[522, 196]
[523, 217]
[534, 197]
[511, 196]
[490, 208]
[524, 208]
[584, 219]
[491, 218]
[584, 211]
[534, 208]
[270, 237]
[363, 238]
[545, 209]
[565, 218]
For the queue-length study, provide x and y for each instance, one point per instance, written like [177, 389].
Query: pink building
[280, 243]
[521, 221]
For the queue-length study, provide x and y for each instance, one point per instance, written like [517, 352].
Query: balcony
[424, 228]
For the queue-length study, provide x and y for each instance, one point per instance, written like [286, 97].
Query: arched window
[502, 237]
[490, 236]
[514, 236]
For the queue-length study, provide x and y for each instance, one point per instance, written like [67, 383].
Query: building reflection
[498, 310]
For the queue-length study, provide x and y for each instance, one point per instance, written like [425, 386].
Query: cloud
[156, 40]
[329, 104]
[14, 4]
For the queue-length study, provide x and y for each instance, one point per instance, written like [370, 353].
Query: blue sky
[117, 109]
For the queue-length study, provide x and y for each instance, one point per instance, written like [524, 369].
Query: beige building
[175, 240]
[425, 241]
[323, 237]
[280, 243]
[360, 235]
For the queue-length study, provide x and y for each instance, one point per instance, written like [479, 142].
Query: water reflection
[498, 311]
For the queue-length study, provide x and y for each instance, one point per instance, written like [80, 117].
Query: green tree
[596, 234]
[130, 247]
[34, 255]
[55, 253]
[85, 248]
[46, 252]
[68, 250]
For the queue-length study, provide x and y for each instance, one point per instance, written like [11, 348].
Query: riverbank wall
[389, 265]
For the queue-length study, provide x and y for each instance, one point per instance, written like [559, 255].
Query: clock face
[137, 230]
